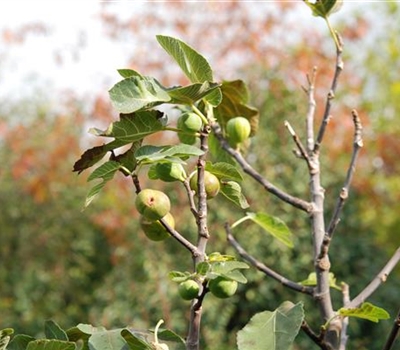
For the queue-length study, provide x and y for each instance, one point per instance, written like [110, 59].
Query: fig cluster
[154, 205]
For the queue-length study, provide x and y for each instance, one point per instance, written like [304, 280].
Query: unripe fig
[188, 290]
[152, 204]
[154, 230]
[238, 129]
[222, 287]
[189, 122]
[186, 138]
[211, 184]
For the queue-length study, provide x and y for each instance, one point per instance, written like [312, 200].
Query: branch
[190, 194]
[193, 338]
[331, 95]
[393, 334]
[311, 110]
[261, 267]
[316, 338]
[297, 141]
[247, 168]
[182, 240]
[193, 341]
[380, 278]
[357, 145]
[345, 322]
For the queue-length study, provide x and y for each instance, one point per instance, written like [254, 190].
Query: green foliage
[366, 311]
[324, 8]
[312, 281]
[194, 65]
[113, 295]
[273, 225]
[273, 330]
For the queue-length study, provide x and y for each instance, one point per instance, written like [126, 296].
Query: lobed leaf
[366, 311]
[47, 344]
[194, 65]
[93, 155]
[233, 191]
[105, 172]
[107, 340]
[324, 8]
[188, 95]
[53, 331]
[170, 336]
[132, 127]
[5, 336]
[134, 341]
[151, 154]
[137, 92]
[274, 226]
[20, 342]
[224, 171]
[127, 73]
[272, 330]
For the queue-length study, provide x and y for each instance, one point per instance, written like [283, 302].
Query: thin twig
[357, 145]
[190, 194]
[316, 338]
[299, 144]
[311, 110]
[331, 95]
[182, 240]
[247, 168]
[380, 278]
[345, 322]
[393, 334]
[261, 267]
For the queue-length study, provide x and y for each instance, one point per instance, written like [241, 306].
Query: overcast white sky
[71, 23]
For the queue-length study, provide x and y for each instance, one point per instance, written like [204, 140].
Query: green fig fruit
[238, 129]
[211, 184]
[188, 290]
[222, 287]
[187, 139]
[190, 122]
[154, 230]
[152, 204]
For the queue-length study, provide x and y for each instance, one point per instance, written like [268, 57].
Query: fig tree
[211, 184]
[154, 230]
[152, 204]
[188, 290]
[222, 287]
[238, 129]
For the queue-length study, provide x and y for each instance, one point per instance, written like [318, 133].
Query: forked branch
[248, 169]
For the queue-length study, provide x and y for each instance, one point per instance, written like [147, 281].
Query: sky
[74, 37]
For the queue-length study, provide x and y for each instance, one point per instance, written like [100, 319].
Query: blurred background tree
[97, 266]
